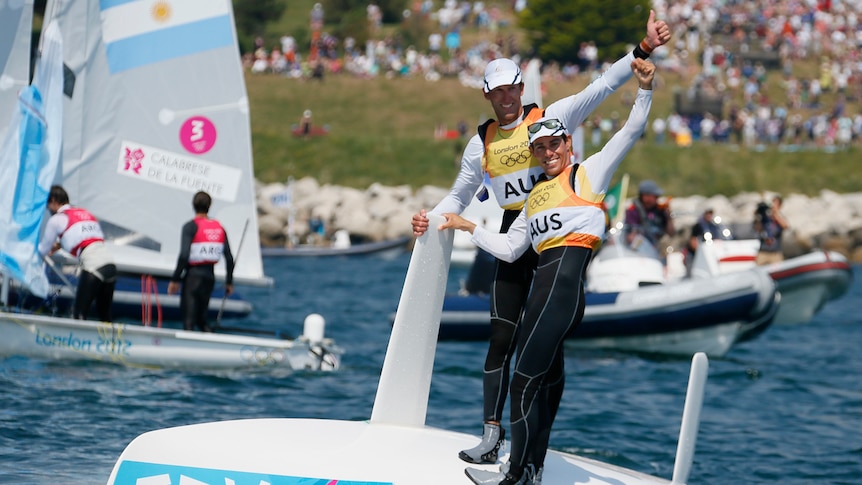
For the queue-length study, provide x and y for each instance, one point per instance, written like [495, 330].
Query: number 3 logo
[198, 135]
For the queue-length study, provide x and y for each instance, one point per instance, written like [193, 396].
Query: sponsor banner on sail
[141, 32]
[178, 171]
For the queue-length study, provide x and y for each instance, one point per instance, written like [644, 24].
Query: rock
[271, 229]
[829, 221]
[837, 243]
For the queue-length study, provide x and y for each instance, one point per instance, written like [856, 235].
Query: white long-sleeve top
[571, 110]
[591, 182]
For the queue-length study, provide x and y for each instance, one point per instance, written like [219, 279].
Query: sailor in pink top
[203, 243]
[76, 231]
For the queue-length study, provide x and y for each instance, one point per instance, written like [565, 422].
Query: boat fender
[313, 328]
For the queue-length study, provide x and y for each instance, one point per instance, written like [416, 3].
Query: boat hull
[130, 301]
[395, 446]
[388, 248]
[139, 346]
[808, 282]
[365, 453]
[678, 318]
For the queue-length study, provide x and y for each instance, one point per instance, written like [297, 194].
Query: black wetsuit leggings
[198, 286]
[554, 309]
[92, 288]
[508, 296]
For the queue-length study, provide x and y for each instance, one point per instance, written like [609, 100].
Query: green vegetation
[574, 21]
[381, 130]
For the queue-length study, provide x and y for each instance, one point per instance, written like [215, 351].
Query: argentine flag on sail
[141, 32]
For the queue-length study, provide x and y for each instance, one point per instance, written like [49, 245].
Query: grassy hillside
[381, 130]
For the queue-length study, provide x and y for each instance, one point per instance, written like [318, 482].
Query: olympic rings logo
[538, 200]
[262, 355]
[515, 158]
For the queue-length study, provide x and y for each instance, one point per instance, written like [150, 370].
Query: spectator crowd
[735, 50]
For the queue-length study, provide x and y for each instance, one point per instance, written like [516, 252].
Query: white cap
[501, 72]
[547, 127]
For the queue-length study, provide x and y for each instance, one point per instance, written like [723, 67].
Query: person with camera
[769, 225]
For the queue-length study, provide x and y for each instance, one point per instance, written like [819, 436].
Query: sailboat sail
[29, 156]
[533, 83]
[16, 22]
[158, 112]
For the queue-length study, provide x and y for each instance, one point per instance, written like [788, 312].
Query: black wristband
[640, 53]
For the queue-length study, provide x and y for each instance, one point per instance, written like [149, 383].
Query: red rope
[158, 304]
[150, 292]
[146, 316]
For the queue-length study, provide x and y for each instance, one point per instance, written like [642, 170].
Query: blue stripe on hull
[697, 314]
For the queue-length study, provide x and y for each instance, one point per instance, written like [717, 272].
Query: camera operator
[769, 225]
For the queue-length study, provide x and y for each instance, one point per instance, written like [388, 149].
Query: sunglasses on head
[555, 125]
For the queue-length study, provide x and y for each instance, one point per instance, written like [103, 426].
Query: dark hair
[762, 210]
[202, 202]
[58, 194]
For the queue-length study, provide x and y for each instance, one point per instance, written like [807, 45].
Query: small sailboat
[394, 446]
[156, 110]
[146, 122]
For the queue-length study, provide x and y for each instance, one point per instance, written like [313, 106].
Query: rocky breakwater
[375, 214]
[828, 221]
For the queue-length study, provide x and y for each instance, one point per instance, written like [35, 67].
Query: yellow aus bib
[507, 160]
[557, 216]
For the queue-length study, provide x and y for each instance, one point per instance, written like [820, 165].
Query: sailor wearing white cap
[563, 221]
[501, 72]
[499, 149]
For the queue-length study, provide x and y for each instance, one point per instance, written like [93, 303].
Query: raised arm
[573, 110]
[601, 166]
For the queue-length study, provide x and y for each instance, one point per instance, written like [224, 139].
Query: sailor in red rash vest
[564, 223]
[76, 230]
[203, 243]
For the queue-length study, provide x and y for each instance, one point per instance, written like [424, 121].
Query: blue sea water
[786, 407]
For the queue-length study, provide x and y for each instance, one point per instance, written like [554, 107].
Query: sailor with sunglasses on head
[563, 222]
[500, 150]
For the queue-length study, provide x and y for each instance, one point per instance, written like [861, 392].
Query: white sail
[158, 111]
[16, 23]
[29, 156]
[533, 83]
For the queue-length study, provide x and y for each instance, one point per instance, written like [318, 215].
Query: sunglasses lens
[549, 124]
